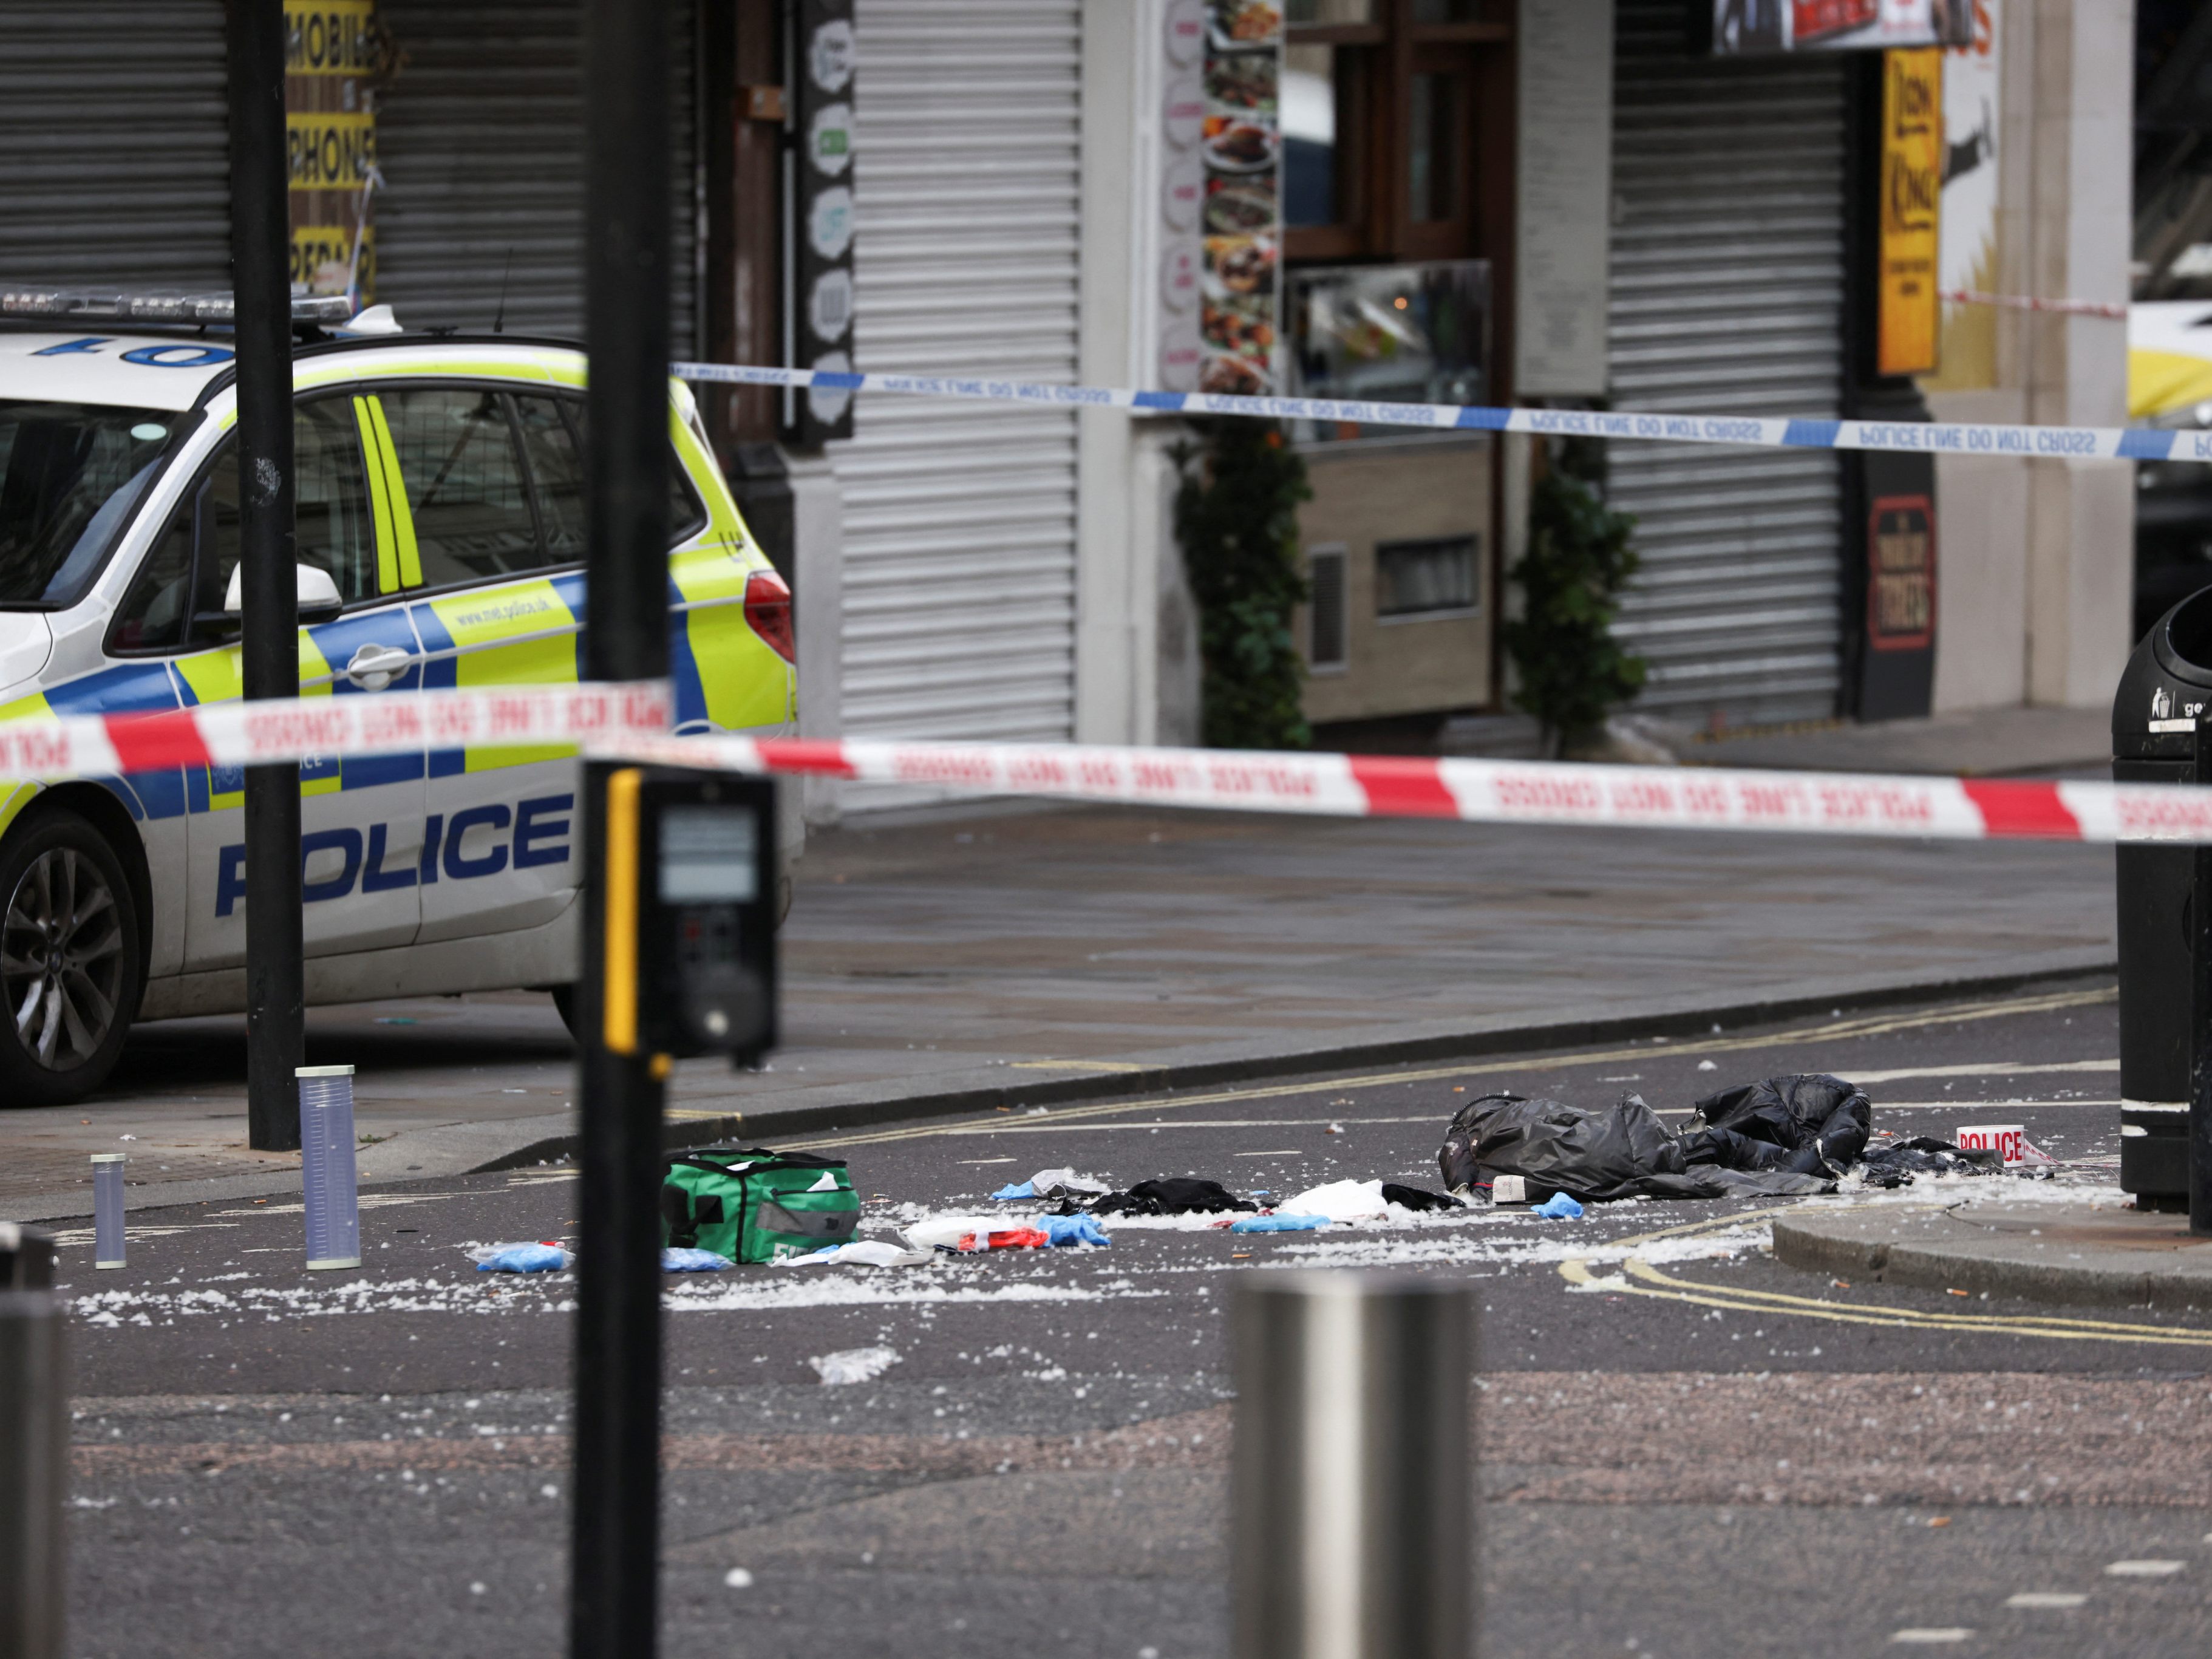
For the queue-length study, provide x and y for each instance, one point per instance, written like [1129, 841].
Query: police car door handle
[372, 667]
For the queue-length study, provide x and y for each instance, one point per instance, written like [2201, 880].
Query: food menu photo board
[1240, 349]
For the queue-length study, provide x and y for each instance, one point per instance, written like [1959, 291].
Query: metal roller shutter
[1727, 296]
[481, 140]
[115, 151]
[959, 580]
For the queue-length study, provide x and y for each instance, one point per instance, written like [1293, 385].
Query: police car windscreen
[70, 474]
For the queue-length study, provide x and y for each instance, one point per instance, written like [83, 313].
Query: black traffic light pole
[616, 1559]
[2200, 1009]
[260, 258]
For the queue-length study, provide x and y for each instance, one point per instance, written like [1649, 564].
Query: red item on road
[1009, 1238]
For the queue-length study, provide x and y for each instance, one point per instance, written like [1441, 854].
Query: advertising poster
[1241, 151]
[1897, 670]
[1910, 212]
[1966, 357]
[332, 57]
[1748, 27]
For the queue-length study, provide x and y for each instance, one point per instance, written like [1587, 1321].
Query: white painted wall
[2037, 558]
[818, 614]
[2081, 516]
[1124, 557]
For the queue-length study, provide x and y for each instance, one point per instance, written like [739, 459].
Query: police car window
[157, 612]
[70, 474]
[333, 523]
[556, 472]
[687, 515]
[334, 530]
[466, 485]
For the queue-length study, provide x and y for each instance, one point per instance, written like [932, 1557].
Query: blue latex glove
[1072, 1230]
[1278, 1224]
[523, 1258]
[1558, 1207]
[673, 1260]
[1022, 1191]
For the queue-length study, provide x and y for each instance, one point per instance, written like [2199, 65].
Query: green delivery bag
[753, 1205]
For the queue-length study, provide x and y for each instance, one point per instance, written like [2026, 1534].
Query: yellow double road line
[1834, 1031]
[1649, 1281]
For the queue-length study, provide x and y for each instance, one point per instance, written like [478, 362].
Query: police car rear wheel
[68, 960]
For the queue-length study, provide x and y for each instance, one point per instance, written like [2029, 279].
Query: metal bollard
[108, 1249]
[34, 1448]
[326, 1166]
[1351, 1484]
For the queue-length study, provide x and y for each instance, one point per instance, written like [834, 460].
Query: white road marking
[368, 1201]
[2142, 1569]
[1954, 1105]
[2046, 1599]
[986, 1160]
[1184, 1123]
[1437, 1118]
[1987, 1068]
[1933, 1633]
[1281, 1151]
[68, 1237]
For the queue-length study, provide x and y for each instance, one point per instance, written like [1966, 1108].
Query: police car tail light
[767, 608]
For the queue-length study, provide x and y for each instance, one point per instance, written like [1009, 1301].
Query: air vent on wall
[1326, 643]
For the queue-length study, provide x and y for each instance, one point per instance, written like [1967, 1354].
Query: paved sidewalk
[1000, 958]
[2050, 1252]
[1981, 743]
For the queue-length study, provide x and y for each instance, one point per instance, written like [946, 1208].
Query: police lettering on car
[439, 488]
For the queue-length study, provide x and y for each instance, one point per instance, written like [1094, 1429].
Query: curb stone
[1940, 1248]
[519, 1143]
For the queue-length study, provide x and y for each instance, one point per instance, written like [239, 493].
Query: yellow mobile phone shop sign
[1911, 194]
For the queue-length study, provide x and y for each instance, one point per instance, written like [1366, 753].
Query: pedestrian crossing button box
[696, 853]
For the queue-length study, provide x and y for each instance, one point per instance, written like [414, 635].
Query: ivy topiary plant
[1236, 517]
[1571, 671]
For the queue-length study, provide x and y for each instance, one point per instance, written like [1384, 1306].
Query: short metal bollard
[326, 1166]
[34, 1449]
[108, 1249]
[1352, 1512]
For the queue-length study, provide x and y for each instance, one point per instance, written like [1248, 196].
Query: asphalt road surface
[1685, 1448]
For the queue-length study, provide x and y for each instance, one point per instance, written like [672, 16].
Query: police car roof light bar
[170, 305]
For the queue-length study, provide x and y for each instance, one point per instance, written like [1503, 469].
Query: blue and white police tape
[1762, 432]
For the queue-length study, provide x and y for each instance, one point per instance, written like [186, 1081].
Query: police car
[440, 540]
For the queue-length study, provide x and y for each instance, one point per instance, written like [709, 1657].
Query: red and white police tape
[1972, 296]
[630, 722]
[225, 734]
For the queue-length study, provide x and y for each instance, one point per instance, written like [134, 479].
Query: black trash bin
[2167, 685]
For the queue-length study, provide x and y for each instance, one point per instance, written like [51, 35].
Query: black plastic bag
[1811, 1124]
[1896, 1163]
[1416, 1198]
[1171, 1196]
[1623, 1151]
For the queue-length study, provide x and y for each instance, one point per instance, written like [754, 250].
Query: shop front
[1397, 142]
[436, 146]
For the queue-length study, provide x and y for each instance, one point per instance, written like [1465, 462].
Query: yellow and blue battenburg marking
[526, 632]
[205, 676]
[136, 687]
